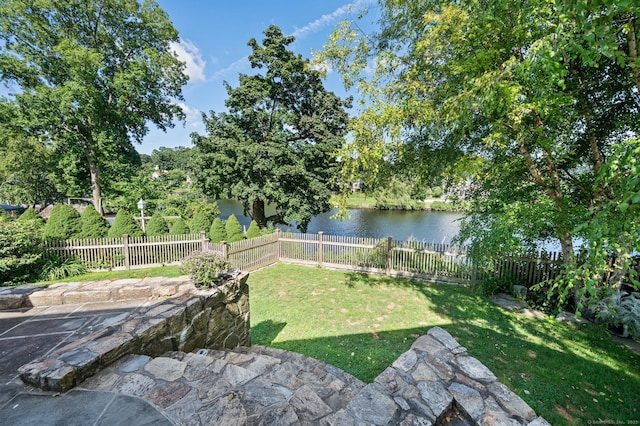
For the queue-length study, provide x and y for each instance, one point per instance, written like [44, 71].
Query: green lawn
[160, 271]
[570, 374]
[359, 200]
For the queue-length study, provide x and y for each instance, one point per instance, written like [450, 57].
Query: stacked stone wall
[214, 318]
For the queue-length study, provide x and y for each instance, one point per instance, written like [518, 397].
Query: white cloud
[193, 115]
[189, 53]
[237, 65]
[330, 18]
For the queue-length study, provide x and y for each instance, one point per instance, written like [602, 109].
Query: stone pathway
[256, 385]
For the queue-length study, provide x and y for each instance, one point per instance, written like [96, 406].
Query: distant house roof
[10, 208]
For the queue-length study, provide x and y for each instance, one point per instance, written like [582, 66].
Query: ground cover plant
[568, 373]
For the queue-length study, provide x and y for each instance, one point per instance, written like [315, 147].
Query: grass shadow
[569, 373]
[265, 332]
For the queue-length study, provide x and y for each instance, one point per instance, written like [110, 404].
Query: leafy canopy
[524, 104]
[277, 142]
[91, 76]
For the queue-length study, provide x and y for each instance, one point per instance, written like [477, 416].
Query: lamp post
[141, 205]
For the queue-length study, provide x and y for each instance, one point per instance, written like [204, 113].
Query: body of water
[437, 227]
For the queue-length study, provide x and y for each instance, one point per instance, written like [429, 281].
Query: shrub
[55, 268]
[157, 225]
[203, 217]
[93, 225]
[4, 216]
[64, 223]
[179, 228]
[254, 230]
[233, 229]
[621, 309]
[217, 232]
[21, 251]
[123, 224]
[205, 268]
[30, 214]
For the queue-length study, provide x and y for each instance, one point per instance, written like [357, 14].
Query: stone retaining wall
[195, 318]
[430, 381]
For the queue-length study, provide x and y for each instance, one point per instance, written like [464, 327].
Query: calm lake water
[438, 227]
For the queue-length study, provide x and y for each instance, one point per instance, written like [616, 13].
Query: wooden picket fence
[427, 261]
[129, 252]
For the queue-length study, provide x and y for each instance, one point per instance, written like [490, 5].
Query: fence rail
[427, 261]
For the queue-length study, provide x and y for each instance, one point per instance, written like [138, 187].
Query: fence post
[203, 241]
[278, 244]
[320, 249]
[389, 257]
[225, 250]
[125, 251]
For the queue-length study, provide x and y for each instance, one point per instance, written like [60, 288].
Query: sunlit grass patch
[568, 373]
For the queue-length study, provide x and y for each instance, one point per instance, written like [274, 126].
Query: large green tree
[525, 101]
[88, 78]
[277, 142]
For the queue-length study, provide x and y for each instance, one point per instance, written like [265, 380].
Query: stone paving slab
[256, 385]
[81, 408]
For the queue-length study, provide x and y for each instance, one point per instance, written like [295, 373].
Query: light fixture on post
[141, 205]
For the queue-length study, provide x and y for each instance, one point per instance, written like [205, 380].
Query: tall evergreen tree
[277, 141]
[93, 225]
[233, 229]
[63, 223]
[217, 233]
[253, 230]
[157, 225]
[124, 223]
[179, 227]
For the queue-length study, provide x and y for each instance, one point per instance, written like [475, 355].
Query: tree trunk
[258, 214]
[632, 43]
[96, 182]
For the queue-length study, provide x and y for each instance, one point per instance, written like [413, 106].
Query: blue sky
[214, 36]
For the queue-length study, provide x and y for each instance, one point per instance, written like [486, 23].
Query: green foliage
[89, 78]
[443, 206]
[233, 229]
[157, 225]
[610, 232]
[4, 216]
[93, 225]
[217, 233]
[21, 251]
[254, 230]
[172, 158]
[527, 118]
[124, 223]
[621, 309]
[396, 195]
[31, 214]
[205, 268]
[26, 165]
[179, 227]
[201, 221]
[55, 268]
[64, 223]
[277, 142]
